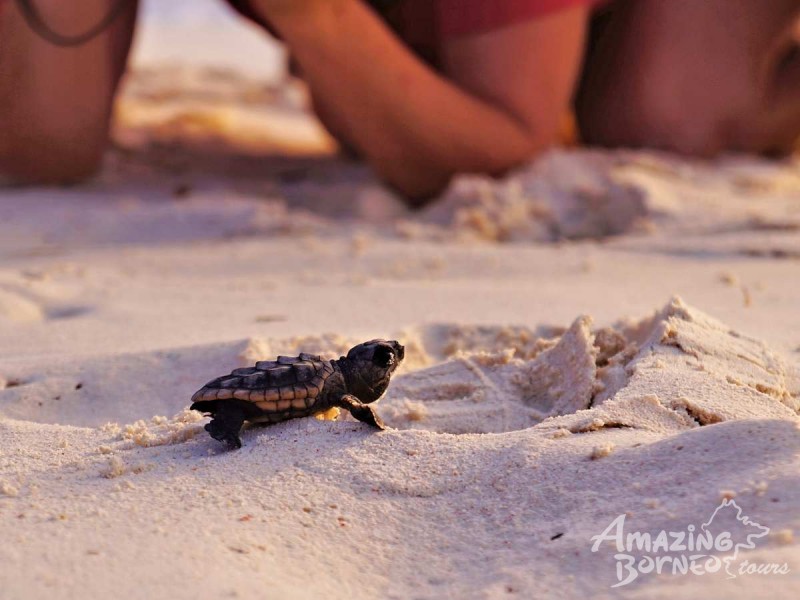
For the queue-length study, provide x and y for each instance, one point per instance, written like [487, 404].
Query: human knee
[651, 82]
[630, 117]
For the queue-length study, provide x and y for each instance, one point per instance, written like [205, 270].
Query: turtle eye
[383, 356]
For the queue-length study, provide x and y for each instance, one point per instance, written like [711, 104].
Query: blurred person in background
[425, 89]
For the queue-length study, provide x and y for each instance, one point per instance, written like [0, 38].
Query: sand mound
[578, 194]
[679, 368]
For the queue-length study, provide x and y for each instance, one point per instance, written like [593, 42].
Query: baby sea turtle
[302, 386]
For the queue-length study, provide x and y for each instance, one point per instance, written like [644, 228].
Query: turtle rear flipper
[226, 423]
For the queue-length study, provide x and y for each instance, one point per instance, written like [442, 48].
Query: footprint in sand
[22, 307]
[17, 308]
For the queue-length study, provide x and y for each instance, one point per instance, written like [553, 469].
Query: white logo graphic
[690, 550]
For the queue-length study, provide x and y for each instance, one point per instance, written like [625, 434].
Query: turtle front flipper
[226, 423]
[359, 410]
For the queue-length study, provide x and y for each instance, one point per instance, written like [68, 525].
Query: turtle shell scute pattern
[286, 384]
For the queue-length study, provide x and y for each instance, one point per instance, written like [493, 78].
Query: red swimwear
[450, 18]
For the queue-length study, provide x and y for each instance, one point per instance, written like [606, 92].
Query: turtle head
[369, 366]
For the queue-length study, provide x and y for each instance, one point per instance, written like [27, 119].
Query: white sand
[520, 428]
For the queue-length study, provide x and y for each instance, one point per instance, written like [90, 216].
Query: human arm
[492, 109]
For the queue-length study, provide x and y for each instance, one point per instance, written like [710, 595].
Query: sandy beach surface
[599, 338]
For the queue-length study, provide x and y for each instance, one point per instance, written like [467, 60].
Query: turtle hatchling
[302, 386]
